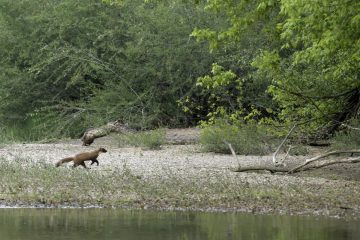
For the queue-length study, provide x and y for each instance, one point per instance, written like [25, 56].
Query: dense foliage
[310, 60]
[68, 65]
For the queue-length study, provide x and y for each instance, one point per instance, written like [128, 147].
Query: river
[88, 224]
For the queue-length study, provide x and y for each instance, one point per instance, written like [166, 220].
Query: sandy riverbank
[174, 177]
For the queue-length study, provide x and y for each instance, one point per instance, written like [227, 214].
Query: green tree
[163, 61]
[316, 70]
[244, 98]
[70, 65]
[311, 59]
[57, 55]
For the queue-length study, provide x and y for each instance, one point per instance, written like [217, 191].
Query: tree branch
[348, 160]
[232, 152]
[308, 161]
[275, 161]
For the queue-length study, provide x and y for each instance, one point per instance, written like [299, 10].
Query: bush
[246, 139]
[149, 139]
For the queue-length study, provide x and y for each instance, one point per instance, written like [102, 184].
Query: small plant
[149, 139]
[245, 139]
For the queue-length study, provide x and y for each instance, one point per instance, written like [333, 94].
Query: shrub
[349, 137]
[245, 139]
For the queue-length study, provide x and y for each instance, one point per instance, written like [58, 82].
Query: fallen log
[305, 165]
[117, 126]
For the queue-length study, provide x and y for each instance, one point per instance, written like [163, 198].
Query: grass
[32, 183]
[348, 138]
[245, 139]
[299, 150]
[21, 133]
[149, 139]
[11, 134]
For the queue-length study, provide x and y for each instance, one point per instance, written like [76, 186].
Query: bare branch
[286, 155]
[275, 161]
[302, 166]
[348, 160]
[232, 152]
[284, 170]
[308, 161]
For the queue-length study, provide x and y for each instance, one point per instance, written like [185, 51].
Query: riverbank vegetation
[70, 65]
[258, 77]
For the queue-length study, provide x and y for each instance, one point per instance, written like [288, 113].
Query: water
[39, 224]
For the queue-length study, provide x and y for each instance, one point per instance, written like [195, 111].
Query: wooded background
[69, 65]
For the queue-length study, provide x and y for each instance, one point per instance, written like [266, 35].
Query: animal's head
[102, 150]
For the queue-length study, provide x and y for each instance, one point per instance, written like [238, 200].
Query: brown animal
[79, 159]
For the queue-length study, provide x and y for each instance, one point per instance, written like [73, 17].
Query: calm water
[39, 224]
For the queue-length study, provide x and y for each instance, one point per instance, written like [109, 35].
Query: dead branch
[275, 161]
[308, 161]
[233, 152]
[286, 155]
[304, 167]
[348, 160]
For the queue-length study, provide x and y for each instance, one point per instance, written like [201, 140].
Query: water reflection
[120, 224]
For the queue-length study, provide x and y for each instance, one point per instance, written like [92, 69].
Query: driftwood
[280, 166]
[305, 166]
[233, 152]
[291, 171]
[308, 161]
[91, 134]
[281, 162]
[347, 160]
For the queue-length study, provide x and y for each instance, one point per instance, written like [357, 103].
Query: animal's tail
[64, 160]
